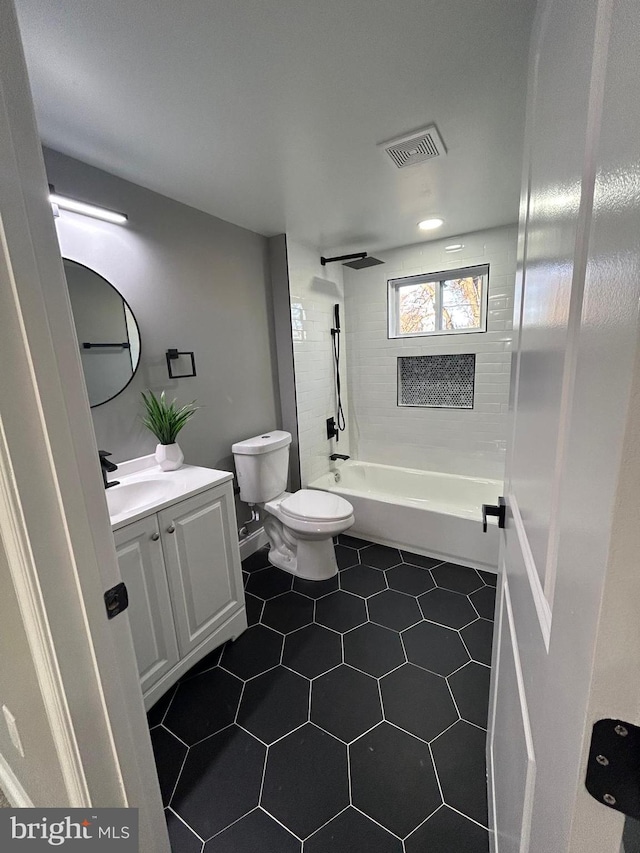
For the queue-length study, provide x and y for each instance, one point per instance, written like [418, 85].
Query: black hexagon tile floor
[350, 717]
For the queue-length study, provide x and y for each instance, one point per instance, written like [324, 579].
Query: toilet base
[311, 560]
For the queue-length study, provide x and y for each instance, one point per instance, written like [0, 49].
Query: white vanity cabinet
[142, 568]
[181, 566]
[201, 553]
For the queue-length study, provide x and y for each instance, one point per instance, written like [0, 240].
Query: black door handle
[490, 509]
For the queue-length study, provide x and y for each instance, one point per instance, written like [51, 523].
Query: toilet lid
[314, 505]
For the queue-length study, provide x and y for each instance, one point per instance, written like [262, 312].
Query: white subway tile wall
[314, 290]
[468, 442]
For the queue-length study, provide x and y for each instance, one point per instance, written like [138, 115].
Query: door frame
[54, 521]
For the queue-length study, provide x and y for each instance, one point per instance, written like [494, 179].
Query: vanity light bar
[86, 209]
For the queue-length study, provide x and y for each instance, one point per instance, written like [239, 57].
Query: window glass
[462, 303]
[417, 308]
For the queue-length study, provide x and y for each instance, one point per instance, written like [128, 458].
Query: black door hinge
[116, 600]
[500, 511]
[613, 769]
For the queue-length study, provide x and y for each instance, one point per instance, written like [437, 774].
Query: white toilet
[300, 526]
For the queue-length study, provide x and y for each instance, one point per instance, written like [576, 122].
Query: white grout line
[244, 684]
[368, 731]
[326, 823]
[175, 786]
[441, 806]
[455, 704]
[433, 740]
[208, 737]
[477, 822]
[459, 668]
[264, 773]
[286, 734]
[404, 648]
[279, 822]
[435, 770]
[173, 734]
[475, 725]
[233, 823]
[411, 734]
[465, 645]
[175, 690]
[251, 734]
[182, 820]
[377, 823]
[395, 669]
[349, 782]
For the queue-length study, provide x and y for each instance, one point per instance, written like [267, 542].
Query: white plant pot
[169, 456]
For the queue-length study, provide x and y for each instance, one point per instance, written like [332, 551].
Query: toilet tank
[262, 466]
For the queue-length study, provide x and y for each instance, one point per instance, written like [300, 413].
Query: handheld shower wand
[340, 420]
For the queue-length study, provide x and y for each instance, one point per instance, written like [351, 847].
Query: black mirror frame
[113, 287]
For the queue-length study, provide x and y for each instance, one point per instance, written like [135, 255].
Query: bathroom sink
[143, 488]
[130, 497]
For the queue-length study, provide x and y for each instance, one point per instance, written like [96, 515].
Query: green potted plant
[165, 420]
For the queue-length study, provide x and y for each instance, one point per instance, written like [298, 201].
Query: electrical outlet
[13, 729]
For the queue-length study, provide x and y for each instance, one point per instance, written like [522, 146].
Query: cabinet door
[139, 551]
[200, 544]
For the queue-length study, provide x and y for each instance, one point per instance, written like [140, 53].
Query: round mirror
[108, 333]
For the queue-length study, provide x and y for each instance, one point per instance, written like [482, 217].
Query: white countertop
[165, 487]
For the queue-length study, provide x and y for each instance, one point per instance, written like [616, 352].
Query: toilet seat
[315, 505]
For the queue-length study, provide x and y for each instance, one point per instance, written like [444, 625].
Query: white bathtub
[439, 515]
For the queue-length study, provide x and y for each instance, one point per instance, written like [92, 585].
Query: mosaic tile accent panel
[437, 381]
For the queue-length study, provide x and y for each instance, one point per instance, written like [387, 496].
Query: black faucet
[107, 468]
[335, 456]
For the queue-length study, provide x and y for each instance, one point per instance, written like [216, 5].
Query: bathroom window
[452, 302]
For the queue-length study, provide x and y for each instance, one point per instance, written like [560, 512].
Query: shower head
[363, 263]
[357, 261]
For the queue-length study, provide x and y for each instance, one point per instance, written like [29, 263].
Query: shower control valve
[332, 429]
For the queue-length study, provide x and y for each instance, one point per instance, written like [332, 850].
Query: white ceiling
[267, 113]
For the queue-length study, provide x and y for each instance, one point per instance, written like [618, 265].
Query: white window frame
[438, 278]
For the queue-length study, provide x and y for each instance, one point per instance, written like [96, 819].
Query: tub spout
[335, 456]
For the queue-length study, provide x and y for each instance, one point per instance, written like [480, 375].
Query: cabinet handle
[171, 529]
[155, 536]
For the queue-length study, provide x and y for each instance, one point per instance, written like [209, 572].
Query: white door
[142, 568]
[567, 642]
[54, 523]
[203, 564]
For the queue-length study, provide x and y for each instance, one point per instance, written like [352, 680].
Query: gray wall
[194, 282]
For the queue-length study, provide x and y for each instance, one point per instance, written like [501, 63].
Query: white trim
[543, 609]
[24, 574]
[527, 808]
[491, 721]
[252, 543]
[437, 278]
[12, 788]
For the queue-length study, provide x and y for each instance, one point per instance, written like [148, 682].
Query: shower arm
[359, 256]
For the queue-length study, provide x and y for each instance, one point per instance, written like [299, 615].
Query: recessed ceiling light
[454, 247]
[430, 224]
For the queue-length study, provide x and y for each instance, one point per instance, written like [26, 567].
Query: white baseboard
[13, 790]
[252, 543]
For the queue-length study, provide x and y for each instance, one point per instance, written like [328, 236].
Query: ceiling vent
[416, 147]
